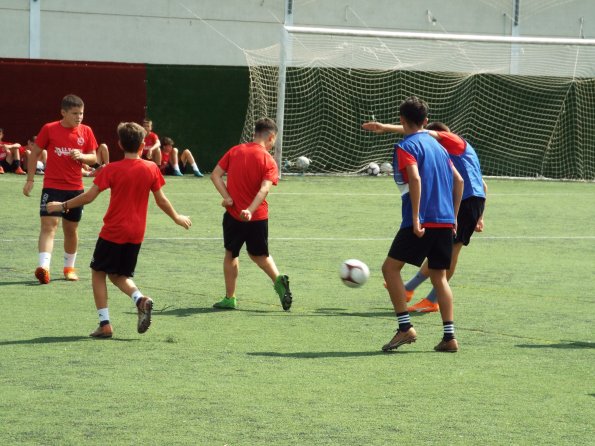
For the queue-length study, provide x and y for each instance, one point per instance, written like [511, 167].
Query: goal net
[526, 105]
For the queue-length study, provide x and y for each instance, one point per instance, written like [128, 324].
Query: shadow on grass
[22, 282]
[562, 345]
[343, 312]
[189, 311]
[317, 355]
[58, 339]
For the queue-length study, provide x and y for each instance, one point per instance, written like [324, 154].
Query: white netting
[529, 109]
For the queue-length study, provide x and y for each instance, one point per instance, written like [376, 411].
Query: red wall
[31, 92]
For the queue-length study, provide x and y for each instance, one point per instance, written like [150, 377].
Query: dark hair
[437, 126]
[147, 120]
[70, 101]
[167, 141]
[414, 110]
[1, 130]
[131, 136]
[265, 125]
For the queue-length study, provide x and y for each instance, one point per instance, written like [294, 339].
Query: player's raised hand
[184, 221]
[373, 126]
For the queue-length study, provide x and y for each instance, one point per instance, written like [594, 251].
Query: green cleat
[282, 289]
[227, 303]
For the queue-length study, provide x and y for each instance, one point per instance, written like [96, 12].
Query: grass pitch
[524, 315]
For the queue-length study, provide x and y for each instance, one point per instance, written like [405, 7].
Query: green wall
[202, 108]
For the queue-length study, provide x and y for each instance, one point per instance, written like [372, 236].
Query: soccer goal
[526, 104]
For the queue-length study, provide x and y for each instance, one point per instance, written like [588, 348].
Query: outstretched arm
[165, 205]
[378, 127]
[217, 179]
[80, 200]
[262, 193]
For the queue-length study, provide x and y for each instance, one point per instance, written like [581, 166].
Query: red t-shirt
[165, 154]
[453, 143]
[3, 152]
[247, 166]
[61, 171]
[150, 140]
[130, 181]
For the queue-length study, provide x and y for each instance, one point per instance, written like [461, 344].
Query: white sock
[194, 167]
[69, 260]
[135, 296]
[103, 314]
[177, 167]
[44, 259]
[40, 165]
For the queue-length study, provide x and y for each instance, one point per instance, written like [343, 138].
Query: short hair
[167, 141]
[1, 130]
[32, 139]
[414, 110]
[71, 101]
[131, 136]
[147, 120]
[265, 125]
[437, 126]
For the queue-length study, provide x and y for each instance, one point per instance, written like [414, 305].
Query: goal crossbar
[437, 36]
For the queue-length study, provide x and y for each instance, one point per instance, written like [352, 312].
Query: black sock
[102, 323]
[449, 330]
[404, 321]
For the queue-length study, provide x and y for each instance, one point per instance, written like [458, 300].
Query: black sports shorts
[115, 258]
[254, 233]
[48, 194]
[436, 245]
[469, 212]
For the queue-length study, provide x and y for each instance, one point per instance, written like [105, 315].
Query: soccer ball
[354, 273]
[302, 163]
[373, 169]
[386, 168]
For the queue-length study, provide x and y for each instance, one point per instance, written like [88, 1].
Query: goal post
[527, 104]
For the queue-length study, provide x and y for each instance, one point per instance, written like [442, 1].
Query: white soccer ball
[386, 168]
[302, 163]
[373, 169]
[354, 273]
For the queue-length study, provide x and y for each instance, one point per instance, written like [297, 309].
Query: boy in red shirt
[125, 221]
[171, 160]
[10, 156]
[152, 144]
[69, 144]
[251, 171]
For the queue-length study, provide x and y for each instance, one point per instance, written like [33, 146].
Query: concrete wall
[211, 32]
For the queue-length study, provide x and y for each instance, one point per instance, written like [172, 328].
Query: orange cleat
[1, 170]
[43, 275]
[20, 171]
[70, 274]
[103, 332]
[424, 306]
[408, 294]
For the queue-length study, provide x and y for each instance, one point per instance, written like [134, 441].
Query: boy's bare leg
[99, 288]
[231, 268]
[71, 238]
[444, 293]
[49, 225]
[267, 264]
[391, 270]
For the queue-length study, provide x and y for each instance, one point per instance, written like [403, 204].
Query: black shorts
[6, 166]
[436, 245]
[115, 258]
[254, 233]
[48, 195]
[469, 213]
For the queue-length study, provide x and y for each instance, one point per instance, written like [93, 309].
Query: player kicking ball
[125, 221]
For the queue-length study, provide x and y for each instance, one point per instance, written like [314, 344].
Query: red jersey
[165, 154]
[454, 144]
[150, 140]
[61, 171]
[3, 152]
[130, 181]
[247, 166]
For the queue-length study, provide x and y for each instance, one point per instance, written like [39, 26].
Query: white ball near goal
[386, 168]
[354, 273]
[302, 163]
[373, 169]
